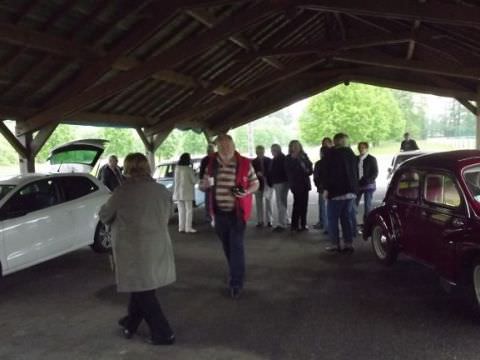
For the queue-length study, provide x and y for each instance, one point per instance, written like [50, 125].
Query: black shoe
[127, 334]
[293, 229]
[303, 228]
[235, 293]
[279, 229]
[269, 224]
[162, 341]
[318, 226]
[348, 249]
[325, 232]
[332, 249]
[259, 225]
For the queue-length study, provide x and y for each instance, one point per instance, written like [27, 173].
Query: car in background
[399, 158]
[431, 213]
[165, 175]
[43, 216]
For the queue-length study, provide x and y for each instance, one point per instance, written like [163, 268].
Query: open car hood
[79, 155]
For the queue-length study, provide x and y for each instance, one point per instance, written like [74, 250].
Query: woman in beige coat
[184, 193]
[138, 212]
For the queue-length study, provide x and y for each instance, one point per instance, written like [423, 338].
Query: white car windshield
[472, 179]
[5, 189]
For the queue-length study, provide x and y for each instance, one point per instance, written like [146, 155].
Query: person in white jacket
[184, 190]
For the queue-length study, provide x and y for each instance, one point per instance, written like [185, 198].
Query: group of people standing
[341, 179]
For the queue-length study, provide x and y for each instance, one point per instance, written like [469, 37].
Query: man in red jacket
[231, 180]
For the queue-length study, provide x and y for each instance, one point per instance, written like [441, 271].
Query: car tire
[383, 247]
[102, 240]
[474, 286]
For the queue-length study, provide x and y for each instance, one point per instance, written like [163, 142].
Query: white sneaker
[192, 231]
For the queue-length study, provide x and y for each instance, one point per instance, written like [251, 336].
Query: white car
[401, 157]
[45, 216]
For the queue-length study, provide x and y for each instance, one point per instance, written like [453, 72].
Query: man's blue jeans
[231, 229]
[367, 199]
[322, 211]
[340, 210]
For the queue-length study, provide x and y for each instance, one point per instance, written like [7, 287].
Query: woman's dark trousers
[144, 305]
[299, 212]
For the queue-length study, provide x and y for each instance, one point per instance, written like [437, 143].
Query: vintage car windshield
[472, 179]
[5, 189]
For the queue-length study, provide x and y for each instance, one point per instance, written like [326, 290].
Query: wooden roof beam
[405, 85]
[271, 102]
[237, 95]
[416, 66]
[432, 12]
[358, 43]
[468, 105]
[167, 59]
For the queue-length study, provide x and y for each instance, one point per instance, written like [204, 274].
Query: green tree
[413, 109]
[365, 113]
[61, 135]
[121, 142]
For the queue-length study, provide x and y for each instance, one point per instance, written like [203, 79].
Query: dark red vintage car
[431, 213]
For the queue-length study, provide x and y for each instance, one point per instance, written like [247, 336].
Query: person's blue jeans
[231, 229]
[367, 200]
[340, 210]
[322, 211]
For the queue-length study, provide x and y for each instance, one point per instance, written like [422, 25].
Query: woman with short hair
[138, 212]
[184, 193]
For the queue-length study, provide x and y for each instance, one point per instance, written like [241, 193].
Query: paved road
[299, 303]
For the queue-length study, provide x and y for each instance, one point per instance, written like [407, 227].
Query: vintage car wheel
[102, 242]
[382, 246]
[476, 284]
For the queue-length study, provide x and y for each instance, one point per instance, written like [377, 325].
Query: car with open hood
[431, 213]
[43, 216]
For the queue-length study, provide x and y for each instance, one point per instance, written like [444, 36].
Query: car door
[83, 205]
[401, 202]
[442, 220]
[34, 224]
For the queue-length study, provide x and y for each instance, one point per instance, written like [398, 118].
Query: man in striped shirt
[232, 180]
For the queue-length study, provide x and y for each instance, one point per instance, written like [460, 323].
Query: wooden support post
[27, 160]
[152, 143]
[208, 135]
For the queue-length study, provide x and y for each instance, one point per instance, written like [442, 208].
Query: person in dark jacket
[298, 168]
[341, 188]
[318, 173]
[408, 144]
[201, 174]
[111, 174]
[367, 173]
[277, 179]
[263, 196]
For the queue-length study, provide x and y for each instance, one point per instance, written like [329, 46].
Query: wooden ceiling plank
[186, 49]
[430, 12]
[22, 36]
[209, 20]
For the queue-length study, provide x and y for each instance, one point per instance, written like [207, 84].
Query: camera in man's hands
[238, 190]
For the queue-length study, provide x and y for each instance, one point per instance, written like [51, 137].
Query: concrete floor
[299, 303]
